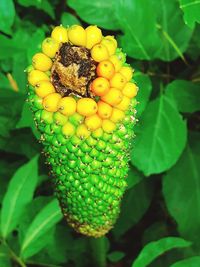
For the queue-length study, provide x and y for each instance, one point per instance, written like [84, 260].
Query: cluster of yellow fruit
[112, 86]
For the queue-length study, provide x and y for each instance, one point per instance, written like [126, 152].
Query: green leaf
[99, 12]
[137, 41]
[116, 256]
[181, 188]
[7, 15]
[4, 257]
[191, 262]
[134, 204]
[161, 137]
[19, 194]
[191, 11]
[134, 177]
[186, 95]
[156, 248]
[43, 5]
[44, 220]
[68, 19]
[174, 34]
[144, 83]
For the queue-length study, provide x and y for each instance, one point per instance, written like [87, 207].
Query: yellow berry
[108, 126]
[82, 131]
[44, 88]
[100, 86]
[97, 133]
[68, 129]
[127, 72]
[118, 81]
[116, 62]
[93, 122]
[112, 38]
[50, 47]
[36, 76]
[41, 62]
[110, 45]
[50, 102]
[130, 90]
[117, 115]
[59, 118]
[104, 110]
[77, 35]
[124, 104]
[67, 106]
[93, 36]
[86, 106]
[105, 69]
[113, 97]
[59, 34]
[99, 53]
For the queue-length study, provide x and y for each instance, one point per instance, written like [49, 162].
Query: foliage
[160, 218]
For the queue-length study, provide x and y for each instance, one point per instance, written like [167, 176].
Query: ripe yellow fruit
[100, 86]
[68, 129]
[86, 106]
[93, 36]
[117, 115]
[93, 122]
[110, 45]
[104, 110]
[77, 35]
[82, 131]
[130, 90]
[113, 97]
[99, 53]
[105, 69]
[44, 88]
[118, 81]
[41, 62]
[36, 76]
[112, 38]
[50, 102]
[108, 126]
[124, 104]
[116, 62]
[50, 47]
[59, 34]
[67, 106]
[127, 72]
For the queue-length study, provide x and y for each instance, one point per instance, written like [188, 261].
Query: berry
[36, 76]
[93, 36]
[100, 86]
[113, 97]
[68, 129]
[67, 106]
[50, 102]
[104, 110]
[112, 38]
[50, 47]
[44, 88]
[99, 53]
[127, 72]
[124, 104]
[108, 126]
[82, 131]
[93, 122]
[77, 35]
[117, 115]
[130, 90]
[86, 106]
[59, 34]
[110, 45]
[59, 118]
[118, 81]
[105, 69]
[41, 62]
[116, 62]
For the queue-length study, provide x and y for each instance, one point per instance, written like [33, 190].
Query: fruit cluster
[86, 137]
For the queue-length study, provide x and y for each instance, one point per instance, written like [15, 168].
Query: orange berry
[93, 122]
[127, 72]
[113, 97]
[108, 126]
[130, 90]
[117, 115]
[118, 81]
[104, 110]
[105, 69]
[86, 106]
[67, 105]
[99, 53]
[124, 104]
[100, 86]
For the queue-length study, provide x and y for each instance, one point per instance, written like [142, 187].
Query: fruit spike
[82, 96]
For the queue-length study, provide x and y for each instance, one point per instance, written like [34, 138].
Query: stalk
[98, 248]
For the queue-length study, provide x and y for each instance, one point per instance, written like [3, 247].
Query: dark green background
[159, 224]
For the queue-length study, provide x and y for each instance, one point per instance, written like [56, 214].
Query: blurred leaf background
[159, 224]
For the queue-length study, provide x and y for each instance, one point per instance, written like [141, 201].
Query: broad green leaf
[137, 41]
[134, 204]
[44, 221]
[193, 50]
[19, 194]
[4, 81]
[7, 15]
[174, 34]
[5, 260]
[186, 95]
[156, 248]
[181, 188]
[190, 262]
[68, 19]
[134, 177]
[191, 11]
[144, 83]
[35, 45]
[43, 5]
[161, 137]
[116, 256]
[99, 12]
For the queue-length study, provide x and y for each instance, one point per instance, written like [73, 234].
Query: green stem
[98, 248]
